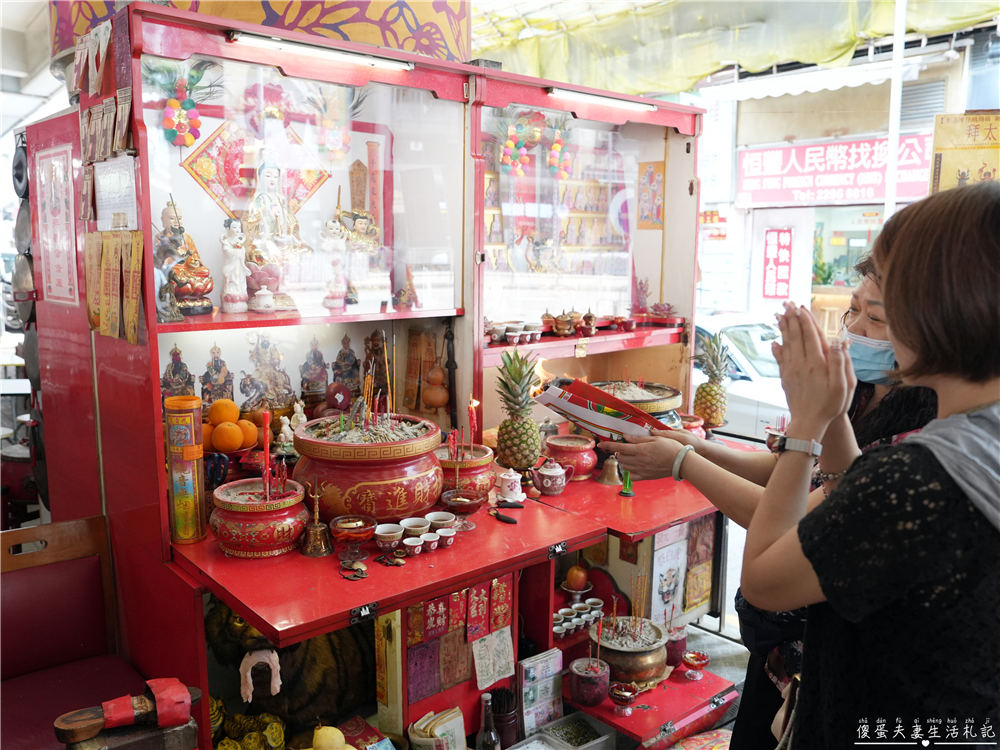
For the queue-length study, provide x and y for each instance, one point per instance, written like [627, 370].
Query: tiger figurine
[327, 678]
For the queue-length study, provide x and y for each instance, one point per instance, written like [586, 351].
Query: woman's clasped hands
[816, 375]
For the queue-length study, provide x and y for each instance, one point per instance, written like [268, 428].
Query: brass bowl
[634, 664]
[668, 398]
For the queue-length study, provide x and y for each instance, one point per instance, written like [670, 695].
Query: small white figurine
[333, 240]
[285, 435]
[234, 268]
[299, 416]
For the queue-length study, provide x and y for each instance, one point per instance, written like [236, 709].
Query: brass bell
[610, 472]
[317, 542]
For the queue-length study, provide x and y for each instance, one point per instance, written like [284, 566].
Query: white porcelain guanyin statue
[234, 267]
[333, 239]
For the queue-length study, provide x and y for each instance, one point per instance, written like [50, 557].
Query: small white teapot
[510, 485]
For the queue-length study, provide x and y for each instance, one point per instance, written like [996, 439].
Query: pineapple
[710, 400]
[519, 442]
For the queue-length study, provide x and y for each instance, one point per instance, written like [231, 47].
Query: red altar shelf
[556, 347]
[292, 597]
[658, 504]
[678, 708]
[228, 321]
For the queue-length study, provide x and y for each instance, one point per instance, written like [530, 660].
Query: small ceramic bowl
[588, 620]
[598, 614]
[440, 520]
[447, 537]
[586, 331]
[577, 623]
[567, 613]
[430, 542]
[518, 327]
[536, 336]
[532, 326]
[415, 526]
[387, 536]
[627, 325]
[497, 333]
[558, 632]
[514, 337]
[595, 603]
[414, 546]
[581, 608]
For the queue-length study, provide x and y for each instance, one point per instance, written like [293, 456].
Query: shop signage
[777, 263]
[838, 172]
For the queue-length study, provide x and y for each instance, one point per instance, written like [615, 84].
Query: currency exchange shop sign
[832, 173]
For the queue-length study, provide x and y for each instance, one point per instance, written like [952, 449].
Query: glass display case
[272, 194]
[560, 210]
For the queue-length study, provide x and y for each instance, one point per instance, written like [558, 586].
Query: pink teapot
[551, 478]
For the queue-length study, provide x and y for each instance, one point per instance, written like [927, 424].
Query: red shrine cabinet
[332, 212]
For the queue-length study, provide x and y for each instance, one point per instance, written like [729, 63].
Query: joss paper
[92, 250]
[600, 413]
[111, 284]
[132, 283]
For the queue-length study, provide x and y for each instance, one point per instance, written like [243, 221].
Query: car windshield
[754, 342]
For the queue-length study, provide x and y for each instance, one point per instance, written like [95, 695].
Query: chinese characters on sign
[57, 225]
[841, 172]
[966, 150]
[777, 263]
[926, 730]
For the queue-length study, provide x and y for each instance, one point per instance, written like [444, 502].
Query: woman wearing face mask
[882, 413]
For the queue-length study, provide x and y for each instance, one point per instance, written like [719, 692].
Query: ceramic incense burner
[247, 526]
[387, 481]
[474, 472]
[576, 451]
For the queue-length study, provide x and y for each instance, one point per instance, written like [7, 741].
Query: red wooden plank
[292, 597]
[554, 347]
[228, 321]
[672, 700]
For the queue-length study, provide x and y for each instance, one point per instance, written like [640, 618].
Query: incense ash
[381, 429]
[629, 392]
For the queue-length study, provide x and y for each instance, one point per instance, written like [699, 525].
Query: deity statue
[346, 369]
[496, 231]
[572, 234]
[194, 280]
[567, 200]
[376, 365]
[492, 194]
[314, 375]
[272, 234]
[165, 258]
[285, 435]
[602, 202]
[299, 415]
[217, 382]
[592, 199]
[580, 204]
[584, 232]
[268, 386]
[333, 240]
[234, 267]
[177, 380]
[362, 246]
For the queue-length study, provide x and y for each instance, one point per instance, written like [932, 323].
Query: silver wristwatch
[777, 442]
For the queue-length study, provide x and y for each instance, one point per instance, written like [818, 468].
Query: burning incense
[600, 628]
[392, 385]
[385, 360]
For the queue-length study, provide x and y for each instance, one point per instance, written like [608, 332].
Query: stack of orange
[225, 431]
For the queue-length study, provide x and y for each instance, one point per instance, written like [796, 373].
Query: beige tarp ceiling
[641, 47]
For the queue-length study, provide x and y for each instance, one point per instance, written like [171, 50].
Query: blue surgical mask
[871, 358]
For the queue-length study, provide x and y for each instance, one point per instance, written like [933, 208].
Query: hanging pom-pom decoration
[173, 103]
[179, 140]
[525, 159]
[188, 140]
[170, 135]
[553, 169]
[188, 104]
[195, 133]
[168, 124]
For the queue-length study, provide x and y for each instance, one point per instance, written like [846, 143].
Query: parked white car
[756, 399]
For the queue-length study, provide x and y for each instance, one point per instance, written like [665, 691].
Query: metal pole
[895, 106]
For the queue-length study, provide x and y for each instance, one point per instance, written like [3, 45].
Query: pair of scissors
[216, 468]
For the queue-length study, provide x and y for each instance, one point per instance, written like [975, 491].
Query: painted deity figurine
[347, 368]
[572, 234]
[567, 200]
[272, 234]
[165, 259]
[234, 267]
[602, 202]
[584, 232]
[593, 201]
[492, 194]
[333, 239]
[217, 382]
[580, 204]
[194, 280]
[362, 246]
[177, 380]
[285, 436]
[375, 364]
[496, 230]
[268, 385]
[314, 374]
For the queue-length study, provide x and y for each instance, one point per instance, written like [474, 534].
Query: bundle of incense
[600, 629]
[385, 360]
[392, 384]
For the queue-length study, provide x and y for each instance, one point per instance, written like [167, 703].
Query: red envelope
[436, 618]
[478, 623]
[456, 610]
[501, 596]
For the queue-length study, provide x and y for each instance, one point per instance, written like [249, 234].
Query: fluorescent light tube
[281, 45]
[606, 101]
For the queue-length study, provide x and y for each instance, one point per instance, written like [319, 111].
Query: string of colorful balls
[181, 121]
[558, 152]
[515, 153]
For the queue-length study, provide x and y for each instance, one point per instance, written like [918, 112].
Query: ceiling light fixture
[605, 101]
[280, 45]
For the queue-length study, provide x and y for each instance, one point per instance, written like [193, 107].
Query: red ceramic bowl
[246, 526]
[387, 481]
[474, 473]
[573, 450]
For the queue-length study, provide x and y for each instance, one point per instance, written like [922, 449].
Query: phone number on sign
[834, 194]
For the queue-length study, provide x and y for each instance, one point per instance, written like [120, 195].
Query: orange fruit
[227, 437]
[206, 437]
[223, 410]
[249, 433]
